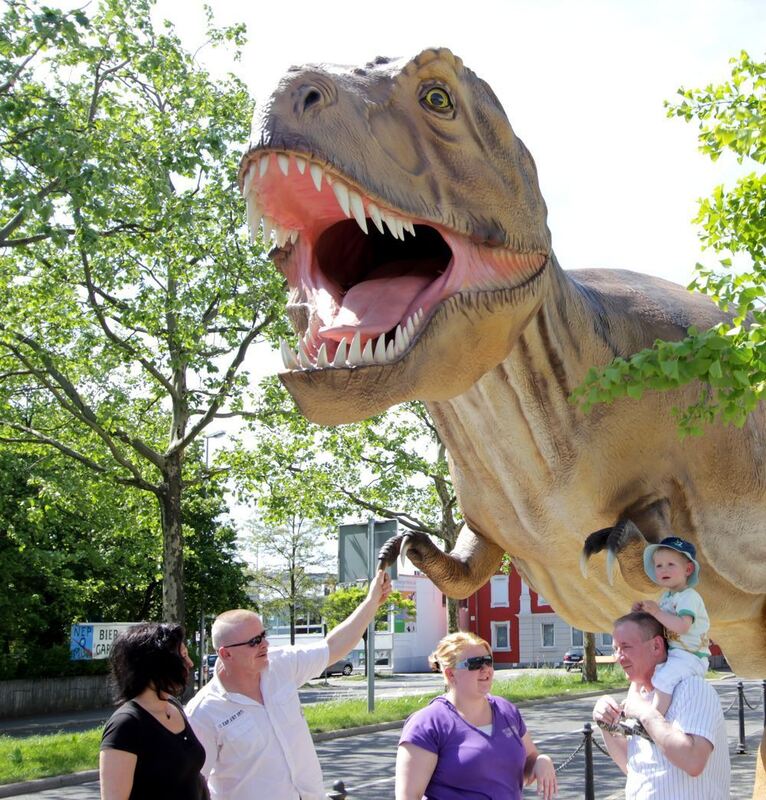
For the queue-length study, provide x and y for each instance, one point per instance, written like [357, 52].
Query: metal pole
[589, 784]
[338, 791]
[371, 626]
[763, 688]
[741, 693]
[202, 648]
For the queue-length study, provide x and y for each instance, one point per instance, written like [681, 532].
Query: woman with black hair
[148, 749]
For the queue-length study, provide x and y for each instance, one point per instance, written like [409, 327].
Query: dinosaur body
[412, 233]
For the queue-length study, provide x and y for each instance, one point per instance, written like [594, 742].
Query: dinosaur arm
[458, 574]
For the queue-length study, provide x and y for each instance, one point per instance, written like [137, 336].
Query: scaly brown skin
[474, 316]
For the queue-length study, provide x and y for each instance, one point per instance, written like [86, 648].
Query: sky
[583, 84]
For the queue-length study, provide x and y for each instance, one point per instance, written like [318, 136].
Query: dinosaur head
[409, 224]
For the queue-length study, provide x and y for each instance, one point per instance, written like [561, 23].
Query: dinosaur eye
[438, 99]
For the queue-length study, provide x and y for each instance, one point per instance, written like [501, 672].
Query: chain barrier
[571, 757]
[731, 705]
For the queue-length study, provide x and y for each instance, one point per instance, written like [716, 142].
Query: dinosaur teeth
[316, 176]
[379, 356]
[357, 209]
[341, 194]
[355, 351]
[288, 357]
[375, 351]
[352, 203]
[340, 355]
[374, 213]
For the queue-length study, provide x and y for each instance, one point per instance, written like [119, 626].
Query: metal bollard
[590, 789]
[741, 692]
[763, 687]
[338, 791]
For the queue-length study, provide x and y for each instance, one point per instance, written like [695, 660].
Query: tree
[130, 293]
[343, 602]
[393, 465]
[74, 549]
[730, 359]
[288, 582]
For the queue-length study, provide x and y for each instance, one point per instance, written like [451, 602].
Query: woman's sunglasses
[254, 642]
[474, 663]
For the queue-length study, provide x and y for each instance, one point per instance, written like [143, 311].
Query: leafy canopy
[729, 360]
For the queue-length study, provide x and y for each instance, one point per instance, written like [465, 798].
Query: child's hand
[647, 606]
[636, 607]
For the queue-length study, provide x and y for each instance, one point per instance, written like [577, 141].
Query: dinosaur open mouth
[364, 278]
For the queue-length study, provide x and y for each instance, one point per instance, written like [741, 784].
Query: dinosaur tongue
[378, 304]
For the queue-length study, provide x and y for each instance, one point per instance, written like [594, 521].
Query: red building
[519, 624]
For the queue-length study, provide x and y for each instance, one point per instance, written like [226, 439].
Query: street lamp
[202, 643]
[208, 437]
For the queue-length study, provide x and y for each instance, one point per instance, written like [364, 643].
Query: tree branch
[38, 437]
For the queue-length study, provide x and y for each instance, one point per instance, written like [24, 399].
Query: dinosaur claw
[584, 565]
[610, 559]
[403, 551]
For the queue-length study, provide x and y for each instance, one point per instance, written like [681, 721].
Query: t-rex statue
[411, 230]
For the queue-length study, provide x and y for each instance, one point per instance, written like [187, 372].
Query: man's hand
[607, 710]
[636, 705]
[380, 588]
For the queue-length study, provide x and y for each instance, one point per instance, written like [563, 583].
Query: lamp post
[202, 643]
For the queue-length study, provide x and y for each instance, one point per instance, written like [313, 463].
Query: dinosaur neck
[523, 403]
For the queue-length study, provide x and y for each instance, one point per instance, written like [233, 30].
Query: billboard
[353, 548]
[94, 639]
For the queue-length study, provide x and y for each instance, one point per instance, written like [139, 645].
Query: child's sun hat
[680, 546]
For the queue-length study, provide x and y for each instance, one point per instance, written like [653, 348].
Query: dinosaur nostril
[311, 98]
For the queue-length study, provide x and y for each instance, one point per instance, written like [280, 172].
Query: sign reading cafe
[94, 639]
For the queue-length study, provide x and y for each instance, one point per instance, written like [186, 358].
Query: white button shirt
[255, 750]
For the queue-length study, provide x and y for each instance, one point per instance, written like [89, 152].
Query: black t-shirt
[168, 764]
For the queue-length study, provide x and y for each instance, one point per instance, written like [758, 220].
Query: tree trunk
[173, 607]
[452, 609]
[589, 672]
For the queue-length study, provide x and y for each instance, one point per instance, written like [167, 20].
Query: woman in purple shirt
[467, 744]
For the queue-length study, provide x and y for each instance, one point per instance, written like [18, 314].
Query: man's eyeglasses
[474, 663]
[254, 642]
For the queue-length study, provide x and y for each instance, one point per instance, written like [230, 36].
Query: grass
[39, 756]
[62, 753]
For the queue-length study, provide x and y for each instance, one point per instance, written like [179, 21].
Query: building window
[606, 639]
[541, 601]
[501, 636]
[549, 640]
[499, 591]
[577, 638]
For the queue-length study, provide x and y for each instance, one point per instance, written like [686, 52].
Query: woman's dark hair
[147, 654]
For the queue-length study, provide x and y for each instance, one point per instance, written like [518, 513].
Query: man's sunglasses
[474, 663]
[254, 642]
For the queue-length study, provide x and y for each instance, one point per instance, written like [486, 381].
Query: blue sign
[81, 643]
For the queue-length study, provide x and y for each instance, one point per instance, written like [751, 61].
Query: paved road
[366, 763]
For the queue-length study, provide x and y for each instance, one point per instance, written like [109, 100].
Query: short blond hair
[227, 622]
[449, 648]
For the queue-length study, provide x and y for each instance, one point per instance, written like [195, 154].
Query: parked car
[574, 656]
[211, 659]
[341, 667]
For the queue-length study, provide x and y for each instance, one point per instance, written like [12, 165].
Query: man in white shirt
[685, 756]
[249, 717]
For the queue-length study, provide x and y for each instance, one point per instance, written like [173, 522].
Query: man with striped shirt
[685, 756]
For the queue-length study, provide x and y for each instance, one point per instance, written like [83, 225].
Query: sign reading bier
[94, 639]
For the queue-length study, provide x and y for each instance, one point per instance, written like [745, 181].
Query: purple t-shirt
[472, 765]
